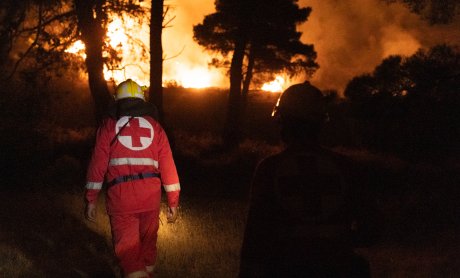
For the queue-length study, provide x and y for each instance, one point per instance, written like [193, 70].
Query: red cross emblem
[137, 134]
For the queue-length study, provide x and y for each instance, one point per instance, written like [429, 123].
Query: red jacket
[141, 147]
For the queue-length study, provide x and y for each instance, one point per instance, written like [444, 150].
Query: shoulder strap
[120, 130]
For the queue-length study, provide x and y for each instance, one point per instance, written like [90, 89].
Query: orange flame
[122, 34]
[77, 48]
[274, 86]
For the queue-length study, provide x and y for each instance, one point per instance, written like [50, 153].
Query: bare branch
[175, 56]
[124, 69]
[34, 43]
[166, 24]
[49, 21]
[165, 13]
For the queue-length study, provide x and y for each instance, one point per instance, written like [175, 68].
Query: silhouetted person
[299, 222]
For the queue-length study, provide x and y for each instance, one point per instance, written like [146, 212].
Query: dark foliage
[410, 105]
[435, 11]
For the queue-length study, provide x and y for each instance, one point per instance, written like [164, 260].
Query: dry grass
[205, 239]
[204, 242]
[14, 263]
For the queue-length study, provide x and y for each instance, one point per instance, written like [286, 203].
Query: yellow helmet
[128, 89]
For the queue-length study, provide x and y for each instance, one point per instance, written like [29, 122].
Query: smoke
[350, 37]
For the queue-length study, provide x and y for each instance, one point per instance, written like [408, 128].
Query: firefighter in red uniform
[132, 156]
[300, 222]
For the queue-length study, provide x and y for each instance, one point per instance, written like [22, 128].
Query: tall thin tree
[156, 56]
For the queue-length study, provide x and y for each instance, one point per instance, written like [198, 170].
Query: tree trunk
[156, 57]
[232, 131]
[90, 22]
[248, 77]
[246, 84]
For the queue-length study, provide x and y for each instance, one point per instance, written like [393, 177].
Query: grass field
[43, 232]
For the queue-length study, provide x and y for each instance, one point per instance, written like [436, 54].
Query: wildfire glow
[116, 32]
[77, 47]
[124, 35]
[274, 86]
[192, 77]
[133, 66]
[197, 78]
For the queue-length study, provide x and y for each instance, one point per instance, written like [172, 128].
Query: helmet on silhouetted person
[302, 102]
[129, 89]
[301, 112]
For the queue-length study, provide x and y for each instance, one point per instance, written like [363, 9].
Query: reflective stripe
[93, 185]
[172, 187]
[133, 161]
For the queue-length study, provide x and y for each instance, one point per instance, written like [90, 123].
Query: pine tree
[261, 38]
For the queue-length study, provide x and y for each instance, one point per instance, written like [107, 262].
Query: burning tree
[262, 39]
[92, 20]
[36, 35]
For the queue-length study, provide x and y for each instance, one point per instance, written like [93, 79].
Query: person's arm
[169, 176]
[96, 171]
[255, 251]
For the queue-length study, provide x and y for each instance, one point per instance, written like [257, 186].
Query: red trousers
[135, 239]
